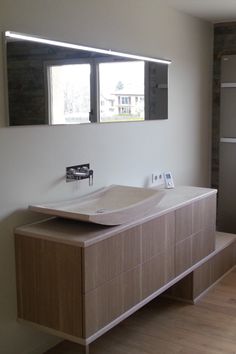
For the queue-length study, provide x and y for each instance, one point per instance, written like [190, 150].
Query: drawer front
[109, 301]
[109, 258]
[203, 243]
[157, 272]
[195, 217]
[183, 256]
[184, 223]
[204, 213]
[158, 236]
[193, 249]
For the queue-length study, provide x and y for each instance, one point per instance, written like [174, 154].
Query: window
[92, 90]
[69, 90]
[125, 100]
[124, 110]
[119, 83]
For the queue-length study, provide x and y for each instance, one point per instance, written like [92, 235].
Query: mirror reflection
[58, 83]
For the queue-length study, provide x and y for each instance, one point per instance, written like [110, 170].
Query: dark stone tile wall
[224, 44]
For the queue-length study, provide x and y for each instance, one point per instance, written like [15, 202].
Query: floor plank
[169, 327]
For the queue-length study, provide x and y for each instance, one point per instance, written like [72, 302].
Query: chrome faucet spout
[76, 173]
[80, 172]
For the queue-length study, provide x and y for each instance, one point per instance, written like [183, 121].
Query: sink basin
[113, 205]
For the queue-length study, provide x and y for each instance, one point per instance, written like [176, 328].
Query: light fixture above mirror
[52, 82]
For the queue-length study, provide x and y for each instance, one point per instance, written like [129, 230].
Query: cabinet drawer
[183, 256]
[157, 272]
[158, 235]
[184, 223]
[109, 258]
[193, 249]
[203, 243]
[109, 301]
[204, 213]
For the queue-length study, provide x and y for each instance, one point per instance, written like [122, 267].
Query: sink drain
[100, 211]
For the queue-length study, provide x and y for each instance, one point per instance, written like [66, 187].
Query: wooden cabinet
[105, 260]
[80, 290]
[49, 284]
[210, 270]
[110, 300]
[112, 278]
[158, 253]
[195, 233]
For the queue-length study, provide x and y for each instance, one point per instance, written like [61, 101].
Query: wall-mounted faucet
[78, 172]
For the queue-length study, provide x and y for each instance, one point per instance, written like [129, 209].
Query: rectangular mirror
[51, 82]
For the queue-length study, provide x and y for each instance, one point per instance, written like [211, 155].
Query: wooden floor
[170, 327]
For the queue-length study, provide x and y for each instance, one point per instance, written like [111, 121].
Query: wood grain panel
[183, 256]
[222, 262]
[190, 287]
[182, 290]
[49, 284]
[210, 211]
[209, 239]
[157, 272]
[158, 235]
[198, 215]
[193, 249]
[202, 278]
[184, 222]
[131, 243]
[202, 244]
[107, 302]
[105, 260]
[204, 213]
[198, 247]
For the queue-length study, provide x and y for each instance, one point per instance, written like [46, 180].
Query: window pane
[121, 88]
[69, 93]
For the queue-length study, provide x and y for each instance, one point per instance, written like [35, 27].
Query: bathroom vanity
[77, 280]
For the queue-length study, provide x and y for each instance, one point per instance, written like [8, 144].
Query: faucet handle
[83, 169]
[90, 177]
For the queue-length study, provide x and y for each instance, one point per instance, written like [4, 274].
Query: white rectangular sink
[113, 205]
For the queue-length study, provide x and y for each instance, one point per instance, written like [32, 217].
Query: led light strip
[82, 47]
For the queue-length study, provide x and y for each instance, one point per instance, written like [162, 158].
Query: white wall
[33, 159]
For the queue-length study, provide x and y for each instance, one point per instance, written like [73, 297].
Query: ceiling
[210, 10]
